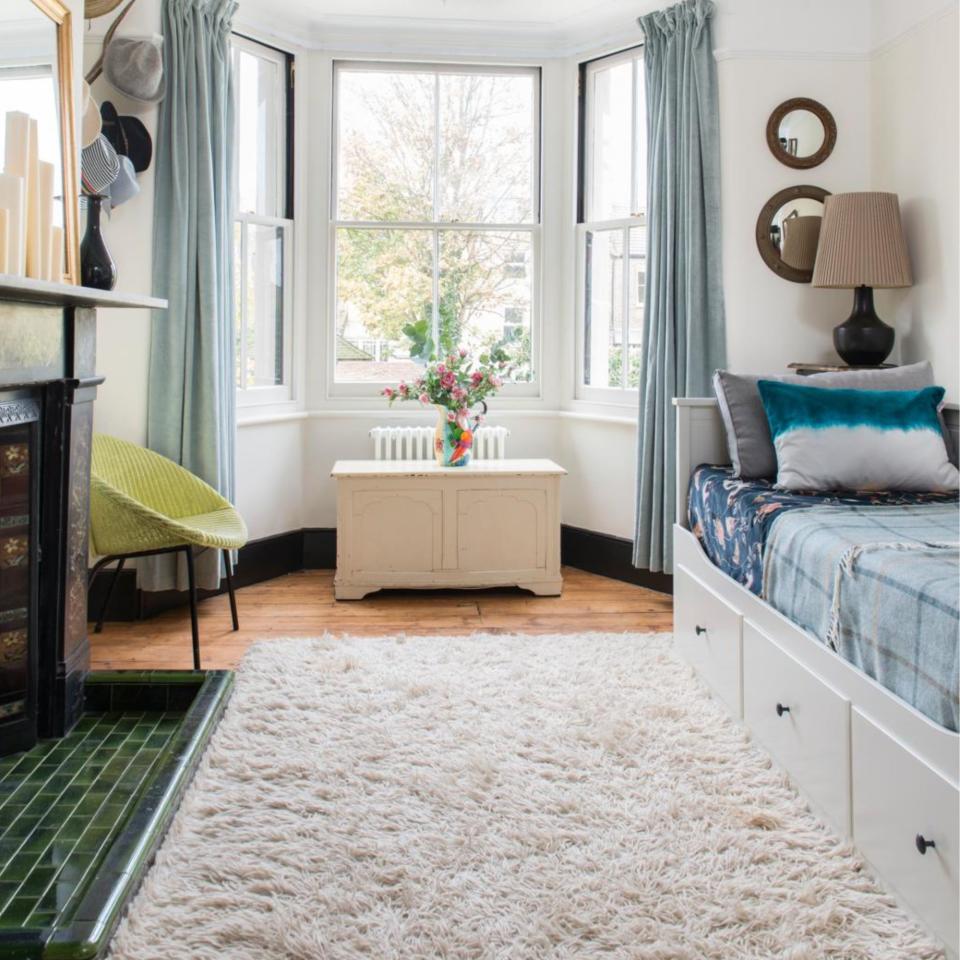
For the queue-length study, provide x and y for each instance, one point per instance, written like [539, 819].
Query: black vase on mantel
[97, 268]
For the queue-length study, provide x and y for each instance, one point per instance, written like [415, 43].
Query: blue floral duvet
[732, 518]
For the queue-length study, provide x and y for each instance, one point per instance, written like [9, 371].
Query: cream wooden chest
[413, 523]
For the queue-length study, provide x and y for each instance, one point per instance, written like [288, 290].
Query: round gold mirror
[788, 231]
[801, 133]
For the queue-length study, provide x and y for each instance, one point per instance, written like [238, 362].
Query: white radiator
[416, 443]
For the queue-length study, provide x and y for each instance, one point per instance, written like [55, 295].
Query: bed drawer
[898, 802]
[804, 723]
[707, 633]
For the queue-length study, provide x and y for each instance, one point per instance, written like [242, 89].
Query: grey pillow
[748, 434]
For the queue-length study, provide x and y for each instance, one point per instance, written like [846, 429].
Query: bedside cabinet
[415, 524]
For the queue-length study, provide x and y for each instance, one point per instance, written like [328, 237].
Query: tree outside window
[436, 215]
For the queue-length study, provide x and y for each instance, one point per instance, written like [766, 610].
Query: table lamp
[862, 246]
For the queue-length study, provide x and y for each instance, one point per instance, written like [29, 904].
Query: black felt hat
[128, 136]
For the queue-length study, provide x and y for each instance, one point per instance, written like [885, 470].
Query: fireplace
[92, 765]
[47, 387]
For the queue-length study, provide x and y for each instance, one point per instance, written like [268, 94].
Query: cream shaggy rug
[496, 797]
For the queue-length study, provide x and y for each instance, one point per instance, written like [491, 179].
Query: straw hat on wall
[99, 8]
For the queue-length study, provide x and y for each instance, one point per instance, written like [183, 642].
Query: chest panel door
[396, 529]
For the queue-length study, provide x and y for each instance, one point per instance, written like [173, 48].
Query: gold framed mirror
[37, 80]
[788, 231]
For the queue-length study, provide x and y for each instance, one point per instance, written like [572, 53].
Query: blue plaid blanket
[881, 586]
[732, 518]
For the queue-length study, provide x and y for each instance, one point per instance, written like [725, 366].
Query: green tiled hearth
[80, 817]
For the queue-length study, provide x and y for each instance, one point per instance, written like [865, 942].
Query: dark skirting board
[315, 548]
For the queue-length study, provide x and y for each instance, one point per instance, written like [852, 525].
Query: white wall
[768, 50]
[914, 150]
[123, 336]
[771, 321]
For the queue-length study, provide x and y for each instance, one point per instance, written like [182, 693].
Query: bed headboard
[701, 439]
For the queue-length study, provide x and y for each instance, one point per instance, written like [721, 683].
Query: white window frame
[258, 396]
[623, 396]
[531, 388]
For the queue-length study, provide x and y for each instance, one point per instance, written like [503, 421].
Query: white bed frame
[879, 771]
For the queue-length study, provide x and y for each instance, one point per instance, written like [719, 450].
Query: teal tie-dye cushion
[857, 439]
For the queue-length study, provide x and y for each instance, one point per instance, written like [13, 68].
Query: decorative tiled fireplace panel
[18, 433]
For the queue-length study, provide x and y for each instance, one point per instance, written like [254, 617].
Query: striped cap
[99, 167]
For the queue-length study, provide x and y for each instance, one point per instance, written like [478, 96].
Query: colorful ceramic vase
[453, 439]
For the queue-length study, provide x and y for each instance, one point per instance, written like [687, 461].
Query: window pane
[610, 156]
[238, 304]
[384, 303]
[486, 293]
[603, 309]
[385, 137]
[261, 134]
[637, 294]
[261, 347]
[639, 204]
[487, 145]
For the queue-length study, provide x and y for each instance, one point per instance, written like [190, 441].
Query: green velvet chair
[143, 504]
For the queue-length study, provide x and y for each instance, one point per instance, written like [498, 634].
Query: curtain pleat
[191, 414]
[684, 335]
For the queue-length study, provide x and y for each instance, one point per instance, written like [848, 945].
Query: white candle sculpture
[13, 202]
[34, 236]
[17, 166]
[45, 213]
[56, 254]
[4, 241]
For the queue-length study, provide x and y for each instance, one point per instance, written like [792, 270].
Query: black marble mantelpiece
[48, 357]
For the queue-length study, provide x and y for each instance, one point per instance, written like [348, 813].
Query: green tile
[16, 912]
[74, 811]
[37, 883]
[93, 839]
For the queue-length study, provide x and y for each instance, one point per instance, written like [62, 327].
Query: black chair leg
[194, 622]
[233, 596]
[106, 600]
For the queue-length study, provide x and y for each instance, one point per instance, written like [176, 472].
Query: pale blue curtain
[191, 414]
[684, 337]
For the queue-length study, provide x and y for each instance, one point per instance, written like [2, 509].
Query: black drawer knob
[700, 629]
[781, 709]
[923, 843]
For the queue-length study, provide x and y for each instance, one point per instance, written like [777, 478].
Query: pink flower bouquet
[455, 385]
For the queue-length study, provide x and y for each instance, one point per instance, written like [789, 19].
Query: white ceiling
[521, 28]
[491, 11]
[331, 23]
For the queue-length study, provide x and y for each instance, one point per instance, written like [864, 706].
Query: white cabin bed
[876, 768]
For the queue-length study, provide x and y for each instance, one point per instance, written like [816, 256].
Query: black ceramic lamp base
[863, 339]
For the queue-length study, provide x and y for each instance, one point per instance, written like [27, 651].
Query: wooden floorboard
[302, 605]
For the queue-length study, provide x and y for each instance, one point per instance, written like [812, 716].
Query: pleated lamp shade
[862, 243]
